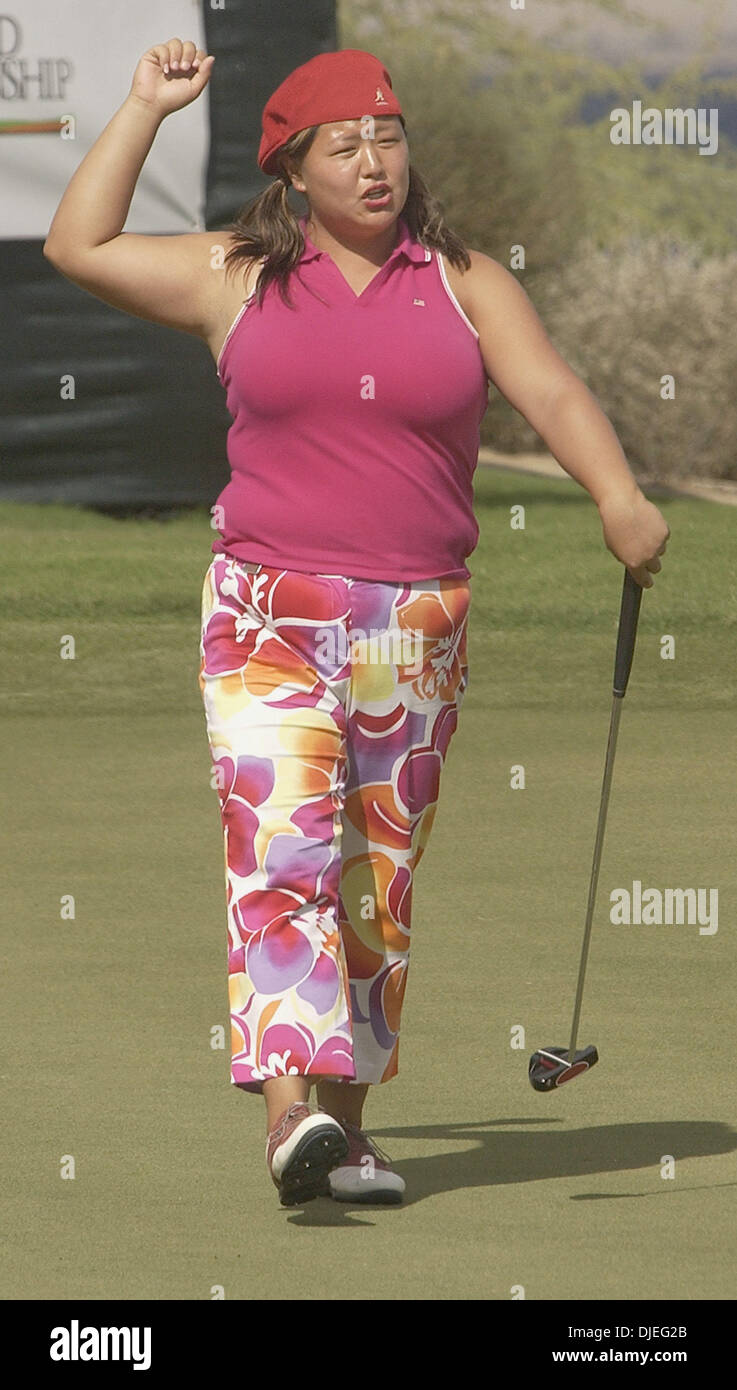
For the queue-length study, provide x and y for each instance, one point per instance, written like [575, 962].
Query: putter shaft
[606, 784]
[628, 616]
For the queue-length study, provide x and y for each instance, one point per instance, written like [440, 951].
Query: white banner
[76, 58]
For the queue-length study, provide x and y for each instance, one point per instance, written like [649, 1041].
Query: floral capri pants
[330, 704]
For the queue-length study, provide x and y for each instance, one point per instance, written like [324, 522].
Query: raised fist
[171, 75]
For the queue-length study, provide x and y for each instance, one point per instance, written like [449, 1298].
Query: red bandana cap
[340, 86]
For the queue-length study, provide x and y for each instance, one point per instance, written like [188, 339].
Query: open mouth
[378, 195]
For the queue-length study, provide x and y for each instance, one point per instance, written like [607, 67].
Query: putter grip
[628, 615]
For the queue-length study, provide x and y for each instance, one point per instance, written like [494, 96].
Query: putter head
[549, 1067]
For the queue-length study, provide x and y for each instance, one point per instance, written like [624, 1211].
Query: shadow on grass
[504, 1155]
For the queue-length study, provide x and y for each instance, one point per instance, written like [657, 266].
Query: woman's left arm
[522, 362]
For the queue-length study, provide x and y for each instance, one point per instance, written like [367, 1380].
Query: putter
[550, 1067]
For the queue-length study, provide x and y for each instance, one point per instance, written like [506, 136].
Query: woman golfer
[355, 344]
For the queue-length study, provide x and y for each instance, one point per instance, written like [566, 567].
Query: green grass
[109, 1015]
[544, 610]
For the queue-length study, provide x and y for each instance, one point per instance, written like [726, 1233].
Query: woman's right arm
[168, 279]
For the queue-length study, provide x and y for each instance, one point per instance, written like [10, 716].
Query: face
[343, 163]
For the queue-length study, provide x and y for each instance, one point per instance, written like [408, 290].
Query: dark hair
[267, 226]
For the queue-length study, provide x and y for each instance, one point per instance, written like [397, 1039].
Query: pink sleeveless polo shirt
[356, 419]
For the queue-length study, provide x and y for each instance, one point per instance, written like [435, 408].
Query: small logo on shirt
[380, 99]
[419, 301]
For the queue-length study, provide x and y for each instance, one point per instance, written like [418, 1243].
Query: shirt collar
[406, 245]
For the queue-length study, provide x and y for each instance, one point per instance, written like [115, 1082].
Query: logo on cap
[380, 99]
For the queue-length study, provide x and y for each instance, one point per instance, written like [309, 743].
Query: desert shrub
[625, 317]
[495, 126]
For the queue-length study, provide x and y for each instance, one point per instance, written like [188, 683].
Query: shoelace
[280, 1127]
[363, 1137]
[360, 1134]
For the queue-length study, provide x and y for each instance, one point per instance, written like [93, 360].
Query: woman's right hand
[171, 75]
